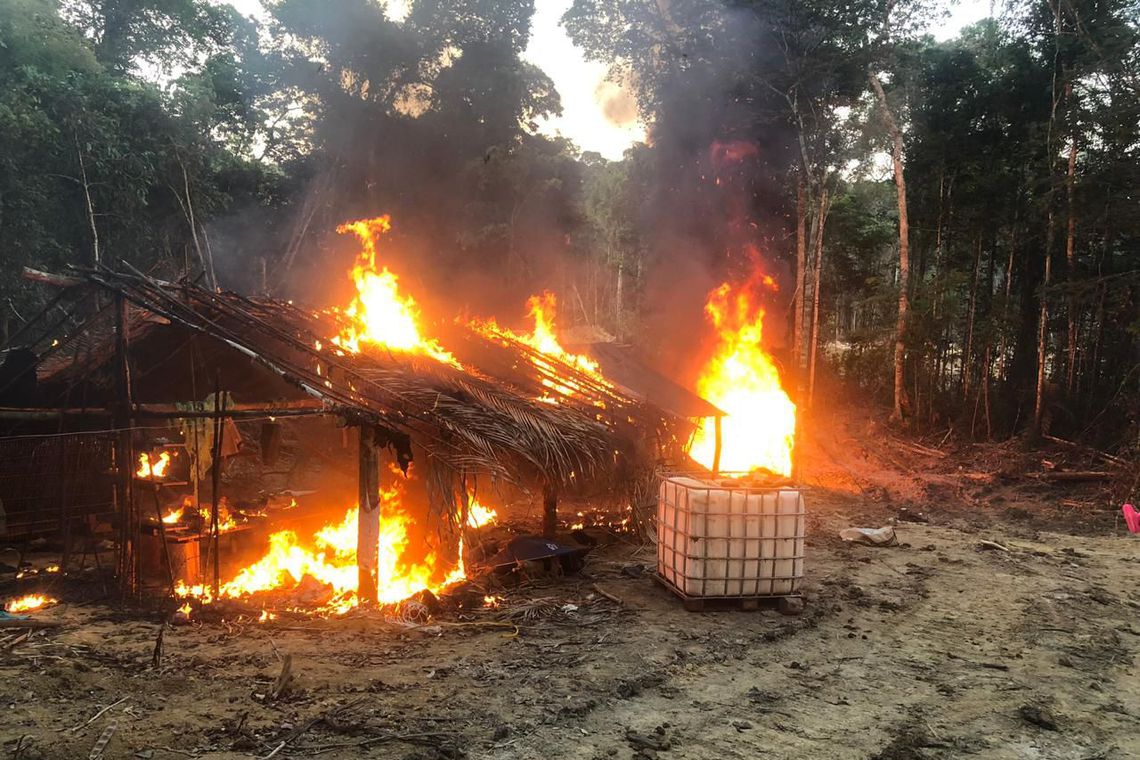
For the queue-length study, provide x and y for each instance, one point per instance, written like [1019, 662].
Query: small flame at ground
[226, 521]
[155, 470]
[174, 516]
[379, 314]
[329, 558]
[742, 379]
[478, 515]
[30, 603]
[491, 601]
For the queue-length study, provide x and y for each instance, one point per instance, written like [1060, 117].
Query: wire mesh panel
[54, 485]
[724, 541]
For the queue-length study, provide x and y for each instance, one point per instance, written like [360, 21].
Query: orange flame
[543, 309]
[329, 557]
[30, 603]
[543, 339]
[149, 470]
[379, 314]
[478, 515]
[226, 521]
[742, 379]
[174, 516]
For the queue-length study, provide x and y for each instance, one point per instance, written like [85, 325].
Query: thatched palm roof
[484, 416]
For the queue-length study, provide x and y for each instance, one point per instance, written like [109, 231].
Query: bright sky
[963, 14]
[597, 115]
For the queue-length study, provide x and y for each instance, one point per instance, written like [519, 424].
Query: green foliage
[181, 137]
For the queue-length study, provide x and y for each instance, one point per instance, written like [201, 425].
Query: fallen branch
[502, 625]
[51, 278]
[98, 715]
[1102, 454]
[1071, 475]
[411, 738]
[276, 749]
[982, 477]
[920, 449]
[612, 597]
[992, 545]
[28, 623]
[16, 640]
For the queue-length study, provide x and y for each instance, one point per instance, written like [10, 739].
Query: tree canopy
[185, 139]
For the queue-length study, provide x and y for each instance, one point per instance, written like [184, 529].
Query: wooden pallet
[791, 604]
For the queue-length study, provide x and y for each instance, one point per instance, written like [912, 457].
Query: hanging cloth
[198, 434]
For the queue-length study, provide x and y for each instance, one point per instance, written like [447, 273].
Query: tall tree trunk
[824, 204]
[188, 212]
[1050, 226]
[938, 234]
[1070, 254]
[1094, 367]
[968, 356]
[897, 157]
[1005, 307]
[95, 255]
[801, 264]
[987, 364]
[619, 295]
[1042, 328]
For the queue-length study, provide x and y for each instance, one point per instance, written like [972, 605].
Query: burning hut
[151, 358]
[161, 374]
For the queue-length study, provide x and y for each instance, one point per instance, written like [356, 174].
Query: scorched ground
[938, 648]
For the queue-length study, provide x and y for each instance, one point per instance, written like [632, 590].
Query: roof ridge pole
[368, 517]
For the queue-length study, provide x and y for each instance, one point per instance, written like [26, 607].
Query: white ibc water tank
[715, 540]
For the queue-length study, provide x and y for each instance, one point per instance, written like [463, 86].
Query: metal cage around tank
[717, 540]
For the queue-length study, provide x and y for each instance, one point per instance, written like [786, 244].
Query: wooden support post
[718, 443]
[549, 510]
[368, 517]
[124, 454]
[216, 483]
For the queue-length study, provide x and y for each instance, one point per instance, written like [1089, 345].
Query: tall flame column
[368, 520]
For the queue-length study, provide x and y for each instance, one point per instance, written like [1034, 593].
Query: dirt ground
[940, 647]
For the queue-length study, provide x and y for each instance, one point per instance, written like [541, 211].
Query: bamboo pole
[216, 473]
[171, 411]
[124, 453]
